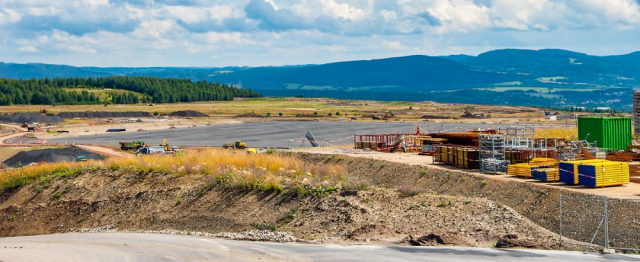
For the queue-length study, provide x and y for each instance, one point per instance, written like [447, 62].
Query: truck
[162, 149]
[152, 150]
[133, 145]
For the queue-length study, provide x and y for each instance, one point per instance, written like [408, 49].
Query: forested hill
[547, 77]
[117, 89]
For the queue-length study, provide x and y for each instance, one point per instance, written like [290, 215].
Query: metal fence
[611, 223]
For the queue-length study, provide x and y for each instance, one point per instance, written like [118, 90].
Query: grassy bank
[265, 172]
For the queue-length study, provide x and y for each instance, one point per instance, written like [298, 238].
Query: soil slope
[152, 201]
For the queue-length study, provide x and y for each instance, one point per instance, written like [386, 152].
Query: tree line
[151, 89]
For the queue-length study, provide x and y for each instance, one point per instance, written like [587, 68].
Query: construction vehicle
[152, 150]
[236, 145]
[469, 114]
[388, 115]
[162, 149]
[398, 143]
[167, 148]
[134, 145]
[81, 159]
[256, 150]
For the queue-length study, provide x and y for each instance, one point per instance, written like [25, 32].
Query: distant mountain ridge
[547, 77]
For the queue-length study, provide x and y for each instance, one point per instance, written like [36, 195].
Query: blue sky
[286, 32]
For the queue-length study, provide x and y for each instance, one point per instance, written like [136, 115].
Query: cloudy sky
[283, 32]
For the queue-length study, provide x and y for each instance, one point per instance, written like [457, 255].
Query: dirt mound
[309, 115]
[50, 155]
[187, 113]
[97, 114]
[436, 117]
[20, 118]
[248, 115]
[448, 238]
[512, 241]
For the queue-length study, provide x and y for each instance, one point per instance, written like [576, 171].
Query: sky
[216, 33]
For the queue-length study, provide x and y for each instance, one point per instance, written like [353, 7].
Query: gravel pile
[259, 235]
[96, 114]
[20, 118]
[187, 113]
[50, 155]
[256, 235]
[102, 229]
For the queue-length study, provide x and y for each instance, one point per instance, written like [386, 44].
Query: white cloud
[82, 49]
[272, 32]
[8, 16]
[214, 38]
[30, 49]
[343, 10]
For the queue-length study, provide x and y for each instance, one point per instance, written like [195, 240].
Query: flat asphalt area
[160, 247]
[268, 134]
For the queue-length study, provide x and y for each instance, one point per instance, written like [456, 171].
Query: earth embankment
[196, 202]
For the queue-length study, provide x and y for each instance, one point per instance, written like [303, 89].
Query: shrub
[409, 190]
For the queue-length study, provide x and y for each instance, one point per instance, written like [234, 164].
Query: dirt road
[105, 151]
[155, 247]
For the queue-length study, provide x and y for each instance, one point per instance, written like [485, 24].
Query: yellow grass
[565, 133]
[267, 172]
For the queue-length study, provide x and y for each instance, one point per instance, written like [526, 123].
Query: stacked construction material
[462, 139]
[545, 174]
[524, 169]
[569, 170]
[601, 174]
[467, 158]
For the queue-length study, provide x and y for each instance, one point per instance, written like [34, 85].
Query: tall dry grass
[557, 132]
[236, 169]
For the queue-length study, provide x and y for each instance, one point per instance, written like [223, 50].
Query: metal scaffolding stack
[518, 137]
[491, 149]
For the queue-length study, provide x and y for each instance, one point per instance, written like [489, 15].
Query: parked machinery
[236, 145]
[133, 145]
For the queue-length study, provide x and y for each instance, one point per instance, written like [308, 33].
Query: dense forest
[150, 89]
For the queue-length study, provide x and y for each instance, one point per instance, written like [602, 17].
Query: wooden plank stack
[525, 169]
[569, 170]
[545, 174]
[634, 172]
[602, 174]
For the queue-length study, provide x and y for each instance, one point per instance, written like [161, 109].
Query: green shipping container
[608, 132]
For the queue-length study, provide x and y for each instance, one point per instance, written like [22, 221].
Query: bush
[409, 190]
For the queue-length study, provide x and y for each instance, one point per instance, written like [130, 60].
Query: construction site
[407, 182]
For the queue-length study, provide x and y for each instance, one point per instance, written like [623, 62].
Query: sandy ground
[105, 151]
[631, 190]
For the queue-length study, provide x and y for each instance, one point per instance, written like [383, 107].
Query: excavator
[167, 147]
